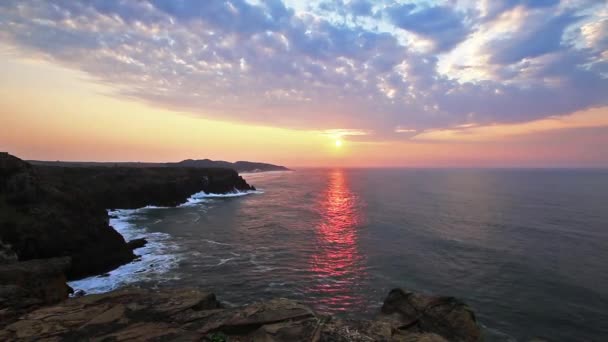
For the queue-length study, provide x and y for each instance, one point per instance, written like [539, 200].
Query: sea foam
[159, 256]
[156, 258]
[202, 197]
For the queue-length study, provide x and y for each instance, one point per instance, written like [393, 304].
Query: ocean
[526, 249]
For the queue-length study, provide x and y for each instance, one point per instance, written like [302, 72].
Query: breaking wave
[156, 258]
[159, 256]
[202, 197]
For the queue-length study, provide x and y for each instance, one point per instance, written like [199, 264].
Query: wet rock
[137, 243]
[445, 316]
[79, 293]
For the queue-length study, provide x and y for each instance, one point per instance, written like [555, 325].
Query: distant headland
[239, 166]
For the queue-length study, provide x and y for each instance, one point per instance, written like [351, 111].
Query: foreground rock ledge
[194, 315]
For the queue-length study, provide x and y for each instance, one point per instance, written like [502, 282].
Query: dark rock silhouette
[239, 166]
[137, 243]
[51, 211]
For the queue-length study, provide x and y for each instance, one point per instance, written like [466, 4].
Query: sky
[458, 83]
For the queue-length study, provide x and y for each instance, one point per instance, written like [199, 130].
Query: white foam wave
[235, 193]
[223, 261]
[159, 256]
[155, 259]
[202, 197]
[216, 243]
[250, 175]
[263, 269]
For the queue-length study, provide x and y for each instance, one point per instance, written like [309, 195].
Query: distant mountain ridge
[239, 166]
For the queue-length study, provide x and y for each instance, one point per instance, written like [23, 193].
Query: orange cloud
[596, 117]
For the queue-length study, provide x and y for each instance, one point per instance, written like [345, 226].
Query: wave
[265, 173]
[223, 261]
[159, 256]
[202, 197]
[215, 242]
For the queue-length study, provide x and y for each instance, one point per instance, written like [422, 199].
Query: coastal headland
[54, 226]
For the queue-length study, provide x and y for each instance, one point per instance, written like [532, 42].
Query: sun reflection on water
[338, 264]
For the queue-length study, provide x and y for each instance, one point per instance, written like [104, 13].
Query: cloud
[360, 7]
[490, 8]
[328, 66]
[342, 132]
[443, 25]
[535, 38]
[591, 118]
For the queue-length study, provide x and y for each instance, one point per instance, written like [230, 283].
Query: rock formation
[446, 316]
[193, 315]
[27, 285]
[49, 211]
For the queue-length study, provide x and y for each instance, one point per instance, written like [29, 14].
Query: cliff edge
[51, 211]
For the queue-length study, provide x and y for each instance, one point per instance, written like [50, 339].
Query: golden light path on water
[338, 262]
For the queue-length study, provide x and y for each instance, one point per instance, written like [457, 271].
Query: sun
[338, 143]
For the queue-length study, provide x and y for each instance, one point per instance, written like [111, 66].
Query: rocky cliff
[193, 315]
[27, 285]
[48, 211]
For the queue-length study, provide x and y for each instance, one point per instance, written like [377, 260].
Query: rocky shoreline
[52, 211]
[54, 226]
[134, 314]
[34, 305]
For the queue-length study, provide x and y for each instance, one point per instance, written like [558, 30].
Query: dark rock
[79, 293]
[192, 315]
[137, 243]
[129, 314]
[445, 316]
[44, 219]
[30, 284]
[7, 255]
[239, 166]
[53, 211]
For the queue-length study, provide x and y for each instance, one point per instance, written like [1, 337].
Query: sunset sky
[457, 83]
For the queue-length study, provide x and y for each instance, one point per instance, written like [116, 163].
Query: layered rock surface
[48, 211]
[193, 315]
[27, 285]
